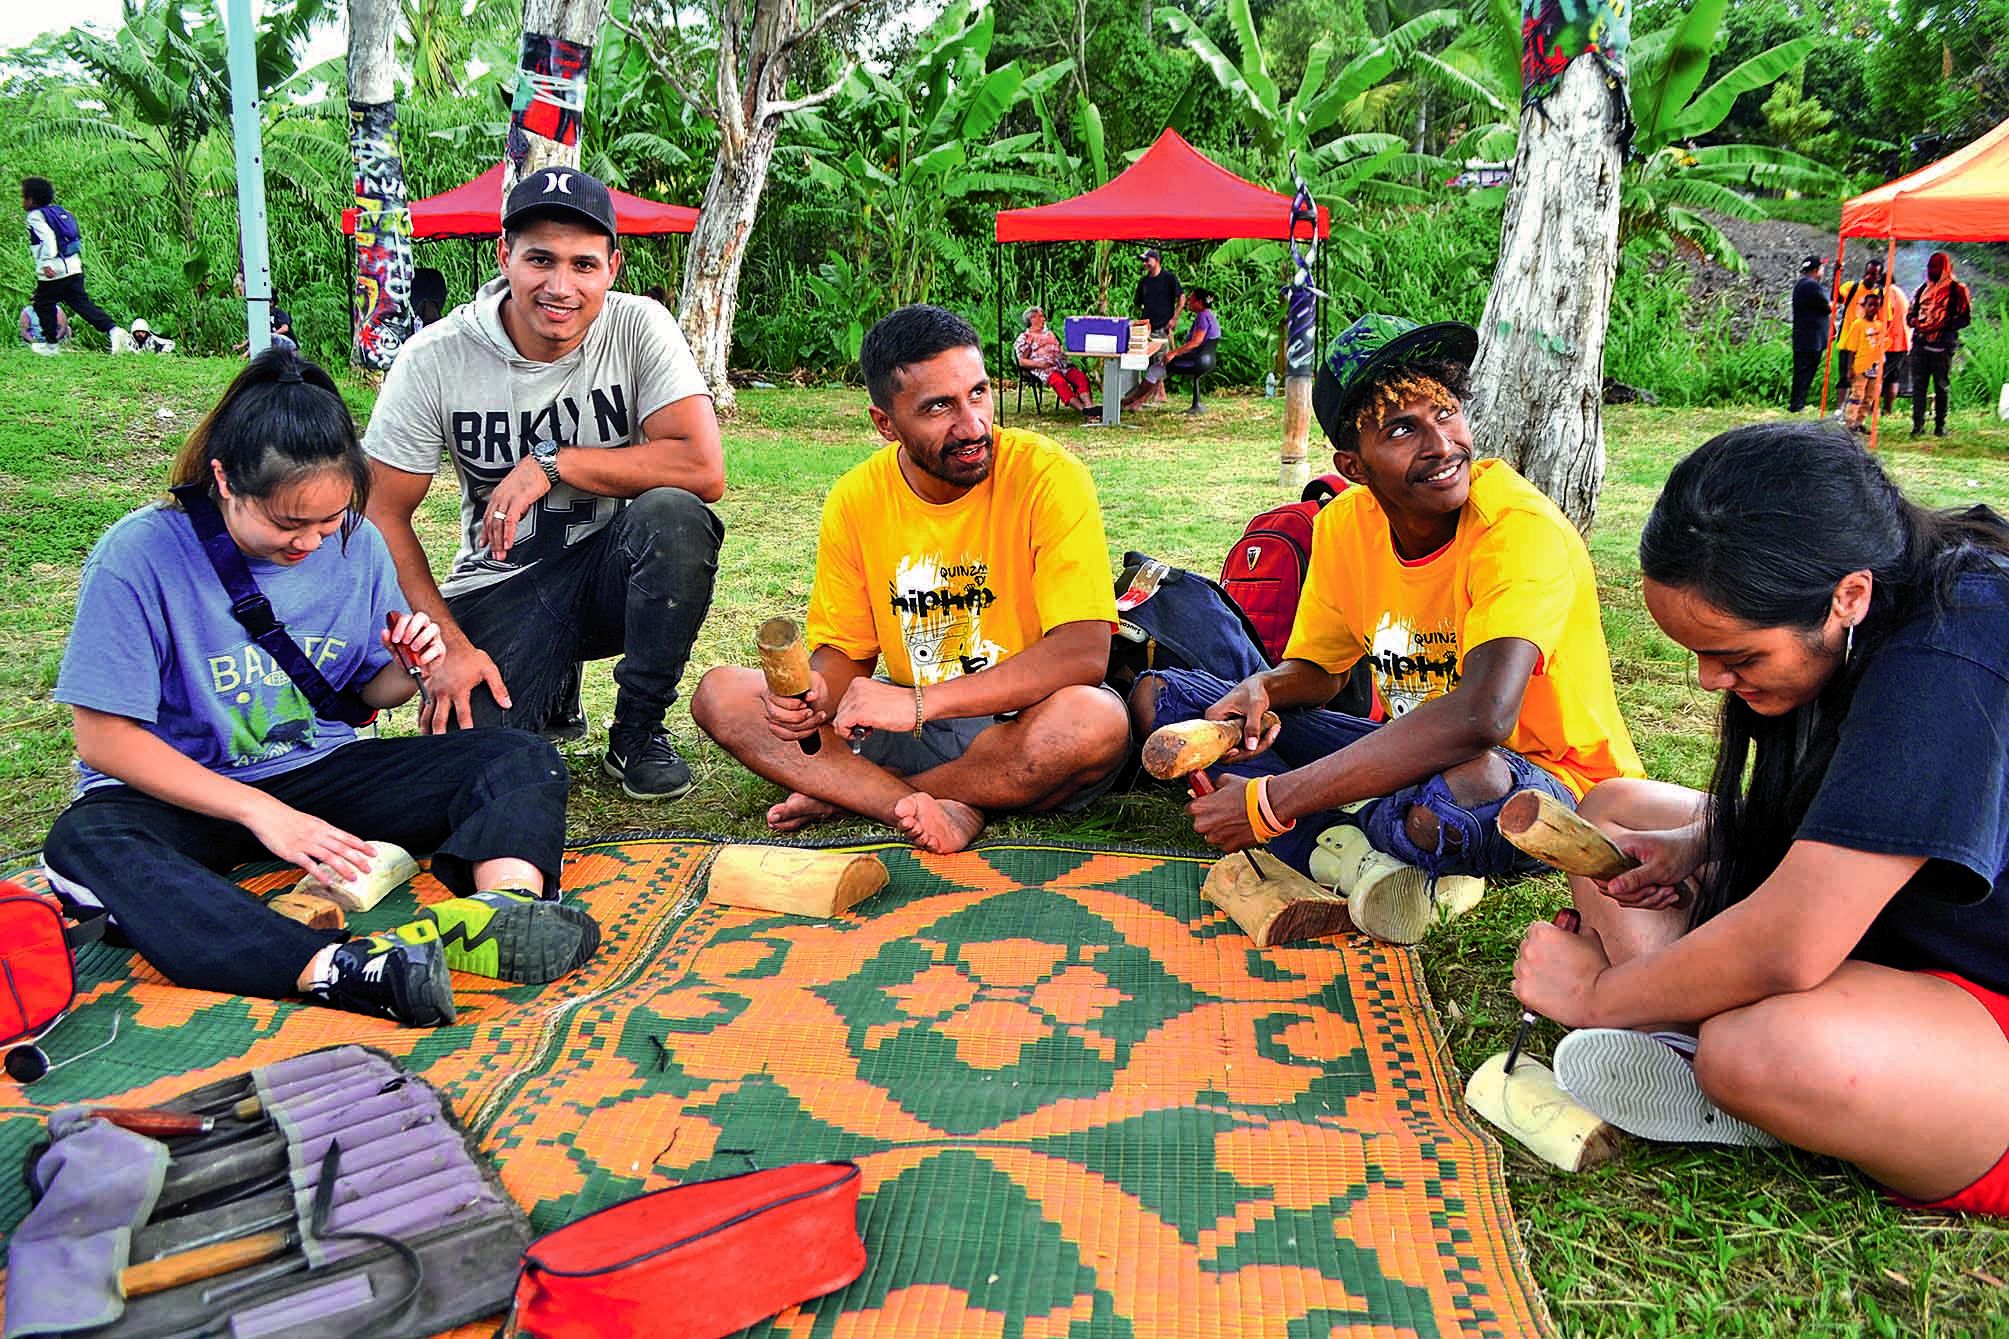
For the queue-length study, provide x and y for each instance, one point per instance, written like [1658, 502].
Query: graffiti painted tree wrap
[1556, 32]
[547, 108]
[1538, 382]
[380, 302]
[1300, 334]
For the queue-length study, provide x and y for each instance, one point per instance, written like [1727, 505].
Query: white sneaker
[122, 340]
[1644, 1083]
[46, 350]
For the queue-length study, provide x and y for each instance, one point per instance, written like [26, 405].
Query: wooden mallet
[1188, 748]
[785, 662]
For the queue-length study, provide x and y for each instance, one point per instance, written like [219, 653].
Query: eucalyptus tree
[735, 62]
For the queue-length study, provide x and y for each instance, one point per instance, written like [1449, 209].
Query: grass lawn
[1666, 1241]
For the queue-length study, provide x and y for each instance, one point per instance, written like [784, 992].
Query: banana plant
[897, 149]
[1324, 97]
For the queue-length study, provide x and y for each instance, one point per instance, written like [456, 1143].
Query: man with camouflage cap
[1473, 600]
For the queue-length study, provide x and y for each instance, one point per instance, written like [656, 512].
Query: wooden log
[796, 882]
[1184, 747]
[1553, 833]
[1280, 907]
[1528, 1105]
[783, 657]
[310, 909]
[391, 866]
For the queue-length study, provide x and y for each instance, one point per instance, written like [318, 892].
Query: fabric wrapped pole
[97, 1184]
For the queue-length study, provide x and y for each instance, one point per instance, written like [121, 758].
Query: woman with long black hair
[201, 745]
[1817, 950]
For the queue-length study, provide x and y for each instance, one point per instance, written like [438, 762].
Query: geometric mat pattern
[1083, 1103]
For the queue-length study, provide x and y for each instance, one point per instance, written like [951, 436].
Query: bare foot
[798, 811]
[936, 825]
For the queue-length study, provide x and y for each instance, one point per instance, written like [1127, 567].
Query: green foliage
[1983, 368]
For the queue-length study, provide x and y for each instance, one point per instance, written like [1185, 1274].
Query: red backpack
[1265, 571]
[38, 979]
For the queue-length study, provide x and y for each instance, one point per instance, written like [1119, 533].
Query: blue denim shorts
[1312, 733]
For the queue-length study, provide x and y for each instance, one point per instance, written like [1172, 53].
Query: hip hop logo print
[1412, 665]
[940, 608]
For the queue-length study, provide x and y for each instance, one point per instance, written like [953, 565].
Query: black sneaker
[567, 729]
[512, 936]
[398, 974]
[645, 763]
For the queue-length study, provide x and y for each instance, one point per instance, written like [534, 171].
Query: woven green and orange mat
[1084, 1103]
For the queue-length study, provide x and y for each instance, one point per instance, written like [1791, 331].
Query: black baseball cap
[1812, 263]
[560, 192]
[1152, 254]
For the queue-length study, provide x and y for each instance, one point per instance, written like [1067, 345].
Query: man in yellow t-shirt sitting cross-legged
[1473, 601]
[967, 564]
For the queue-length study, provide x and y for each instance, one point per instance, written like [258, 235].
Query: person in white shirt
[58, 251]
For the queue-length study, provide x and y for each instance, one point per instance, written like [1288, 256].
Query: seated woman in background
[1190, 356]
[1839, 977]
[199, 749]
[1039, 354]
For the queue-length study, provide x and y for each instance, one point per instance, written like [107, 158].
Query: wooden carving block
[310, 909]
[391, 866]
[1528, 1105]
[1282, 907]
[1554, 834]
[794, 881]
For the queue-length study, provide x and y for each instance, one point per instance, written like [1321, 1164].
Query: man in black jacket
[1157, 298]
[1810, 330]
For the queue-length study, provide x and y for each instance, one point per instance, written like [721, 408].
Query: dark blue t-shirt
[1810, 315]
[154, 641]
[1922, 768]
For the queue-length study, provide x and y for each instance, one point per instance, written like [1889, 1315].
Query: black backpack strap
[253, 611]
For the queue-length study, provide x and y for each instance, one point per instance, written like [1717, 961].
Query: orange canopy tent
[1964, 197]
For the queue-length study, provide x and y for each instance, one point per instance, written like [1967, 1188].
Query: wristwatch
[545, 453]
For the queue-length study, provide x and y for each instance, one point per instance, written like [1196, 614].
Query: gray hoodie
[461, 386]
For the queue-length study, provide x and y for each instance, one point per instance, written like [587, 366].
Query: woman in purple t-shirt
[198, 750]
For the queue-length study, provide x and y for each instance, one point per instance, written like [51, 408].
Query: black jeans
[1933, 366]
[1806, 363]
[158, 869]
[1894, 364]
[640, 589]
[69, 290]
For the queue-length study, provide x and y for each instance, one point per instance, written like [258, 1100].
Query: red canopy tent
[1964, 197]
[1172, 193]
[472, 211]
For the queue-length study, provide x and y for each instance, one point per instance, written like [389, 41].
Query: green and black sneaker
[512, 935]
[399, 974]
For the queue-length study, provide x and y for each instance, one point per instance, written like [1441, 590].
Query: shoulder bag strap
[251, 609]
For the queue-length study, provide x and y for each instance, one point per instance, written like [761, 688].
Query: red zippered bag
[38, 975]
[697, 1261]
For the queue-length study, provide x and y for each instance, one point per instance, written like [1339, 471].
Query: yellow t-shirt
[942, 590]
[1517, 568]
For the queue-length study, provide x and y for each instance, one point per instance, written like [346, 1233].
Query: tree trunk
[717, 251]
[1538, 382]
[380, 298]
[547, 115]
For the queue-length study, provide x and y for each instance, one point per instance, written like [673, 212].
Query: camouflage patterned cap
[1369, 347]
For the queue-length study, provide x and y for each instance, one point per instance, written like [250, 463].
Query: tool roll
[328, 1195]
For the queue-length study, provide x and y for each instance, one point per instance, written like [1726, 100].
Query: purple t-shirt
[1208, 324]
[154, 641]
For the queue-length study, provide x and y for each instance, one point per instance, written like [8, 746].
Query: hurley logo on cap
[559, 183]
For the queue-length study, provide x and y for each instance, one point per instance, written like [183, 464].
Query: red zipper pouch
[699, 1261]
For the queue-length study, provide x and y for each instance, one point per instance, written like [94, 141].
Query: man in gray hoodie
[587, 452]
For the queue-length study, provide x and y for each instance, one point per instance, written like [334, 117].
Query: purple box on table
[1096, 334]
